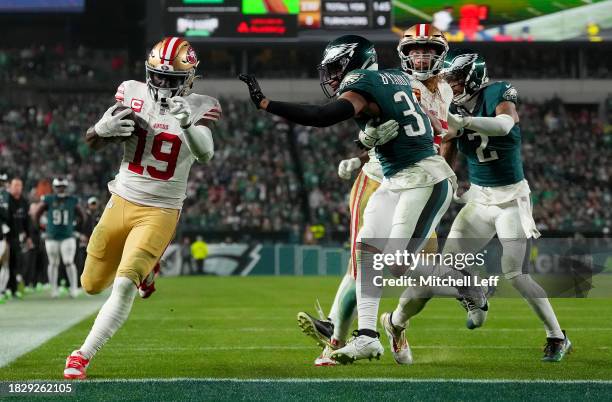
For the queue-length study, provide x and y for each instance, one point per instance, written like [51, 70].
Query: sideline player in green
[4, 229]
[484, 117]
[418, 184]
[60, 242]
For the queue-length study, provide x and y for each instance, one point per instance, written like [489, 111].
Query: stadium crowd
[39, 64]
[265, 170]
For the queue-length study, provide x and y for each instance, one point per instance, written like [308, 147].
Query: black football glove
[254, 90]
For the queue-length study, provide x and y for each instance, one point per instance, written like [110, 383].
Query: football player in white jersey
[170, 130]
[421, 51]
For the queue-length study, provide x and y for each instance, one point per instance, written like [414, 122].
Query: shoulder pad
[204, 107]
[127, 87]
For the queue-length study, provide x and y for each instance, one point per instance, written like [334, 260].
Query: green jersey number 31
[401, 96]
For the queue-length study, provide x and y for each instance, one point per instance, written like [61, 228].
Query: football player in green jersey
[418, 183]
[60, 242]
[4, 229]
[485, 119]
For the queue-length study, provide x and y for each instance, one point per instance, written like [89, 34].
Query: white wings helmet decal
[461, 61]
[335, 52]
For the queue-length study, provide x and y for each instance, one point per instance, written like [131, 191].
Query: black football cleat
[319, 330]
[555, 349]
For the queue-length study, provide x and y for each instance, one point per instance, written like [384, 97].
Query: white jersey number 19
[156, 150]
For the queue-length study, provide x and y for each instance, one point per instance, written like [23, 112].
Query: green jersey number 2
[400, 97]
[480, 151]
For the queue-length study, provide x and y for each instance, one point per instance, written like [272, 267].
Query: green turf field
[244, 328]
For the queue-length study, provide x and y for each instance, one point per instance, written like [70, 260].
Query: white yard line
[27, 324]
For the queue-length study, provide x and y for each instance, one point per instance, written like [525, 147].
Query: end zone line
[333, 380]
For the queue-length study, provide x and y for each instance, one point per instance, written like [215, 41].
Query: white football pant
[66, 250]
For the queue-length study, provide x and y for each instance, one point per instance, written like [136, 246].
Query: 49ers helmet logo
[191, 56]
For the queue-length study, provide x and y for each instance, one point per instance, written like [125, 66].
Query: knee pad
[92, 286]
[137, 265]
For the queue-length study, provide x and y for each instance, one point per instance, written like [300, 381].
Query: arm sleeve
[313, 115]
[497, 126]
[200, 142]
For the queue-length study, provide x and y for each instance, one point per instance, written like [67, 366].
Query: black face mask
[330, 73]
[166, 81]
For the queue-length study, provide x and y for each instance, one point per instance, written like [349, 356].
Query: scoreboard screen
[235, 20]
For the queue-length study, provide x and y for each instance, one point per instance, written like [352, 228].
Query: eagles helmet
[341, 56]
[468, 68]
[170, 68]
[60, 185]
[422, 66]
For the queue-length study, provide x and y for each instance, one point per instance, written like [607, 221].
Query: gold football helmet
[422, 65]
[171, 68]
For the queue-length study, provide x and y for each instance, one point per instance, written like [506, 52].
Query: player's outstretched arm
[332, 113]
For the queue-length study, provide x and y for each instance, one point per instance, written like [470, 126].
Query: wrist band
[185, 127]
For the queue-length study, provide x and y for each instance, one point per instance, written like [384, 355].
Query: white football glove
[346, 167]
[457, 121]
[114, 126]
[179, 108]
[375, 136]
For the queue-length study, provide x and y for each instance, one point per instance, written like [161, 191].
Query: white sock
[368, 294]
[52, 274]
[409, 305]
[536, 297]
[71, 272]
[111, 317]
[4, 276]
[344, 309]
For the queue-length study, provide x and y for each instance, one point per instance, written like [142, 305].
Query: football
[131, 116]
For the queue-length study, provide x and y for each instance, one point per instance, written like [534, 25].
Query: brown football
[131, 116]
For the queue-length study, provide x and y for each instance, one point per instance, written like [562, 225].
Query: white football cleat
[324, 358]
[76, 366]
[397, 340]
[476, 316]
[359, 348]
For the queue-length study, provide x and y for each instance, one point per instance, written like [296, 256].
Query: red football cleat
[147, 286]
[76, 366]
